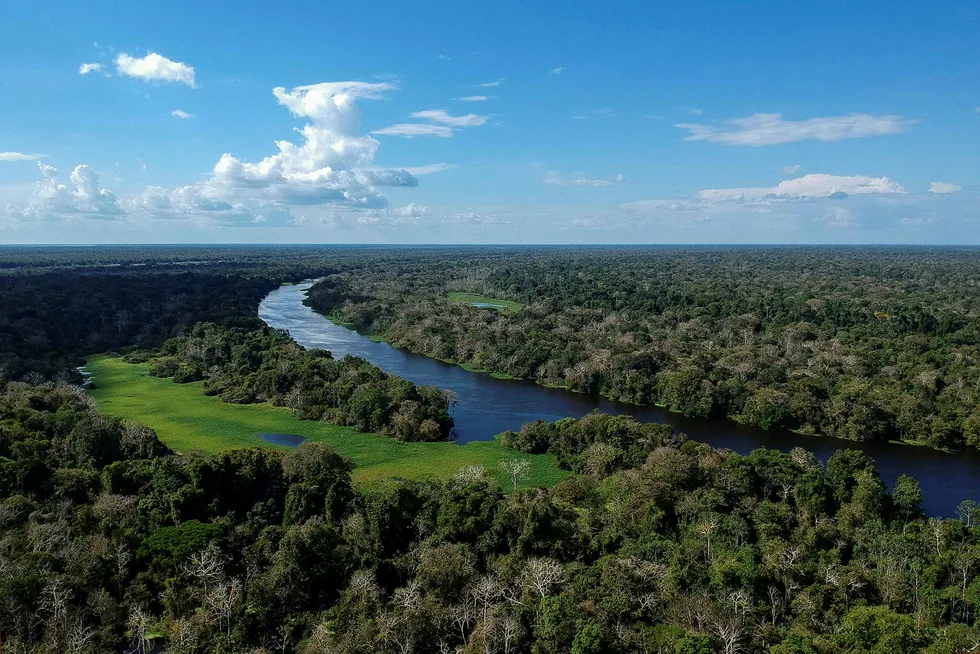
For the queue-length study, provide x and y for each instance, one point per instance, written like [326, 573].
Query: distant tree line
[50, 320]
[259, 364]
[857, 343]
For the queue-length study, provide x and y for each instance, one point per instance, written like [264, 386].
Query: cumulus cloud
[408, 130]
[332, 165]
[791, 170]
[328, 171]
[809, 186]
[85, 69]
[429, 169]
[441, 116]
[19, 156]
[555, 178]
[473, 98]
[84, 196]
[770, 129]
[180, 113]
[154, 67]
[944, 187]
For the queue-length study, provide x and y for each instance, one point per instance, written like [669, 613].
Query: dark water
[289, 440]
[489, 406]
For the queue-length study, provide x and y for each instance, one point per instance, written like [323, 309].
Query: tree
[517, 469]
[588, 638]
[907, 497]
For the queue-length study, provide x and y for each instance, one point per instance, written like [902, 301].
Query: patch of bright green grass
[503, 306]
[186, 419]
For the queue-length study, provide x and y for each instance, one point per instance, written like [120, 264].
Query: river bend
[488, 406]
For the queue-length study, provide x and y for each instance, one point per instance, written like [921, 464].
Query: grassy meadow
[185, 419]
[503, 306]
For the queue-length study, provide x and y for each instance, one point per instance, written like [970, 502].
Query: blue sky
[842, 122]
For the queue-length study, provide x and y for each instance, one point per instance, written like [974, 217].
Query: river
[487, 406]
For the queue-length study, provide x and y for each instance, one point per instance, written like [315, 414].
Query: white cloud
[408, 130]
[557, 71]
[154, 67]
[54, 199]
[490, 85]
[604, 112]
[555, 178]
[809, 186]
[474, 219]
[19, 156]
[85, 69]
[944, 187]
[473, 98]
[770, 129]
[429, 169]
[696, 112]
[331, 166]
[791, 170]
[180, 113]
[411, 210]
[441, 116]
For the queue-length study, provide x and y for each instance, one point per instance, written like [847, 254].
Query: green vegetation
[111, 542]
[592, 535]
[861, 343]
[244, 365]
[503, 306]
[185, 420]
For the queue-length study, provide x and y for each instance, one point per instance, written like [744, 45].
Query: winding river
[488, 406]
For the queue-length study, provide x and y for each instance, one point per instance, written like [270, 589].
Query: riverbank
[381, 338]
[185, 420]
[486, 406]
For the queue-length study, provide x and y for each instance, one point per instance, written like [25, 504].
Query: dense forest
[655, 543]
[111, 543]
[857, 343]
[260, 364]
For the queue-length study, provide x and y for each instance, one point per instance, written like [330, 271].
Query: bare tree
[220, 603]
[79, 637]
[137, 628]
[138, 440]
[462, 616]
[123, 556]
[541, 575]
[469, 474]
[517, 469]
[485, 591]
[183, 635]
[206, 566]
[729, 631]
[510, 631]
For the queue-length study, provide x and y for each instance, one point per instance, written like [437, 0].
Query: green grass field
[186, 419]
[503, 306]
